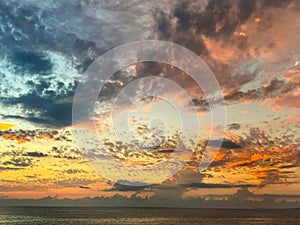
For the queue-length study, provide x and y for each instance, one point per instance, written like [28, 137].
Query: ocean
[144, 216]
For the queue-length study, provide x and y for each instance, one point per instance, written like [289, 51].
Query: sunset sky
[252, 47]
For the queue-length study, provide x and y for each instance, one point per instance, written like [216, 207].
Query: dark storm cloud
[179, 34]
[28, 118]
[163, 25]
[181, 12]
[205, 185]
[191, 17]
[201, 104]
[32, 31]
[234, 126]
[132, 186]
[81, 28]
[124, 188]
[61, 112]
[48, 100]
[35, 154]
[224, 144]
[246, 8]
[215, 12]
[84, 187]
[217, 19]
[31, 62]
[276, 3]
[25, 28]
[48, 108]
[82, 32]
[187, 24]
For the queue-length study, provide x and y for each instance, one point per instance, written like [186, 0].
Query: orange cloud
[22, 136]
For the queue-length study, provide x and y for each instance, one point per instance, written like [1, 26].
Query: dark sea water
[107, 216]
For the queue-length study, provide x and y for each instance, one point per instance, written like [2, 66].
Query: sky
[251, 47]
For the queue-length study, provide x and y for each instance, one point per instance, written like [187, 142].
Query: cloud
[35, 154]
[229, 40]
[251, 46]
[225, 144]
[75, 171]
[22, 136]
[84, 187]
[42, 80]
[264, 157]
[207, 185]
[275, 88]
[42, 59]
[234, 126]
[31, 62]
[243, 198]
[125, 188]
[291, 101]
[5, 168]
[18, 162]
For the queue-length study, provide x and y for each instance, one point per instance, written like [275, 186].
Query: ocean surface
[108, 216]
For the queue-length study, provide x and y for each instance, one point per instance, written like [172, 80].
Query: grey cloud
[32, 31]
[84, 187]
[208, 185]
[28, 135]
[31, 176]
[277, 3]
[74, 171]
[276, 87]
[234, 126]
[18, 162]
[31, 62]
[219, 20]
[224, 144]
[242, 199]
[49, 109]
[35, 154]
[3, 168]
[124, 188]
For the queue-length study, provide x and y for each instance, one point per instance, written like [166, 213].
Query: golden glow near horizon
[4, 126]
[55, 163]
